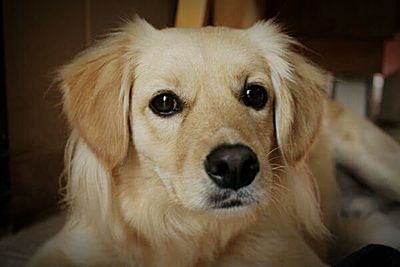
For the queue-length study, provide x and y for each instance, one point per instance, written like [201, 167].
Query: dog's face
[202, 116]
[202, 108]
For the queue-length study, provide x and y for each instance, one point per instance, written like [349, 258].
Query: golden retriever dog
[210, 147]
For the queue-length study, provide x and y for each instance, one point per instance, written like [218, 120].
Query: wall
[40, 36]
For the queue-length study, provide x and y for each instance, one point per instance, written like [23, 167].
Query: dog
[210, 147]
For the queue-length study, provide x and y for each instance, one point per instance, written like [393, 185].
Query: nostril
[250, 165]
[220, 169]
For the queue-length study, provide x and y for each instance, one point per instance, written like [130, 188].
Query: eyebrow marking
[245, 81]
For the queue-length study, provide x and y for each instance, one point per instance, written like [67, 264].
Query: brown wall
[391, 55]
[40, 36]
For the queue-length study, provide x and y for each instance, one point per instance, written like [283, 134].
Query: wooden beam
[191, 13]
[238, 13]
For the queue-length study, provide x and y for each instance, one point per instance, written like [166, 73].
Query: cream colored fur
[137, 191]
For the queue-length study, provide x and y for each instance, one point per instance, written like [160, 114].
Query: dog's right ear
[96, 87]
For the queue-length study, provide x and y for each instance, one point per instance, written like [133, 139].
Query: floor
[16, 250]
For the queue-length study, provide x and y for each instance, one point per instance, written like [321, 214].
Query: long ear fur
[96, 87]
[299, 111]
[298, 84]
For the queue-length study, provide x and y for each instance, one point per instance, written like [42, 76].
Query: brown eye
[165, 104]
[254, 96]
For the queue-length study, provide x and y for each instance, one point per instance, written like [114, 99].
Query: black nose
[232, 166]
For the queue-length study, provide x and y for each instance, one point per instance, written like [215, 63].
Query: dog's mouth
[228, 204]
[229, 199]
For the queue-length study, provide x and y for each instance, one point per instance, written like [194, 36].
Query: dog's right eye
[165, 104]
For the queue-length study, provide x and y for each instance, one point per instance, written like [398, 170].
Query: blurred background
[357, 41]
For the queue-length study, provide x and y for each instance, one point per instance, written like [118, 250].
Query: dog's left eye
[165, 104]
[254, 96]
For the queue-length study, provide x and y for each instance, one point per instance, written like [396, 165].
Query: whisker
[273, 150]
[280, 186]
[274, 158]
[280, 169]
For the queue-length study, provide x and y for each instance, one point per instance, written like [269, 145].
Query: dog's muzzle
[232, 166]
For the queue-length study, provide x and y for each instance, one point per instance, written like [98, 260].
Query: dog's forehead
[205, 50]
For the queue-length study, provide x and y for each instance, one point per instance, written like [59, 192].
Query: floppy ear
[299, 109]
[298, 84]
[96, 87]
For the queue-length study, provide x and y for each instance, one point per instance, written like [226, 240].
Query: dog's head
[205, 111]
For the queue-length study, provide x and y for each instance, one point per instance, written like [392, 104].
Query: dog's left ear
[299, 108]
[299, 103]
